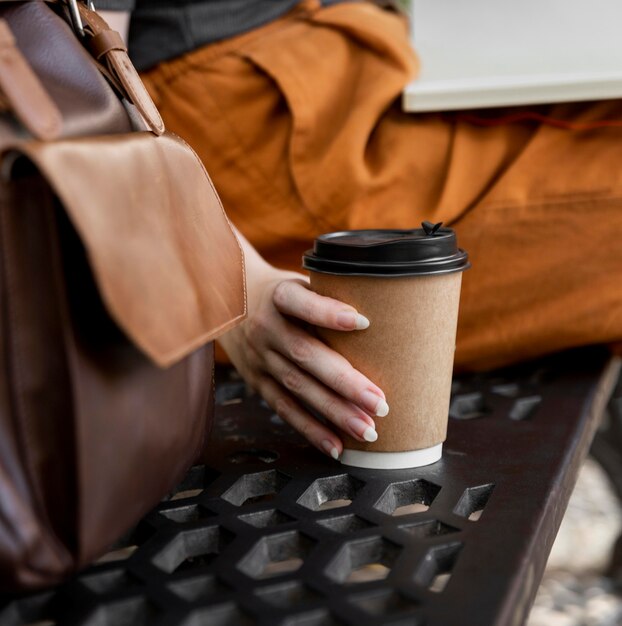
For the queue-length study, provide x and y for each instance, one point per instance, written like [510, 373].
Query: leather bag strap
[108, 47]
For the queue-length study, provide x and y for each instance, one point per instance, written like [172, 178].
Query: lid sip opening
[429, 228]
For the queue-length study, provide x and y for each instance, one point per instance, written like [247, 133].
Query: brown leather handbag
[117, 268]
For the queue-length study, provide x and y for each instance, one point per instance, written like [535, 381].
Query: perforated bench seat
[271, 532]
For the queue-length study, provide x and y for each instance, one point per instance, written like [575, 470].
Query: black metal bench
[269, 531]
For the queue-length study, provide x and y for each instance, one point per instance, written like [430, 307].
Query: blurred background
[578, 588]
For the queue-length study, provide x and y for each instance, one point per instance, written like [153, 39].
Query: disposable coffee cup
[407, 283]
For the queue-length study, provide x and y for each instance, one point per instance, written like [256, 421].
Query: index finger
[293, 297]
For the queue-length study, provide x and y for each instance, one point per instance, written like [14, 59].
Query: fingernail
[370, 434]
[361, 322]
[330, 449]
[362, 429]
[375, 404]
[350, 319]
[382, 408]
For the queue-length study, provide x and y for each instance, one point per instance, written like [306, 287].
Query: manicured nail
[362, 429]
[382, 408]
[375, 404]
[370, 434]
[330, 449]
[350, 319]
[361, 322]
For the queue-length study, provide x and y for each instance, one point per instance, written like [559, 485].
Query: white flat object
[488, 53]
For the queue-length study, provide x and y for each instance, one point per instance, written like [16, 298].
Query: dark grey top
[164, 29]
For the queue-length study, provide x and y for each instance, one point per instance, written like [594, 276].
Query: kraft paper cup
[408, 349]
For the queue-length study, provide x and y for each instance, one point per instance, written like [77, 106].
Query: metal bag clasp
[74, 14]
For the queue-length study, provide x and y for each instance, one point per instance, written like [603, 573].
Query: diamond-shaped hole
[274, 568]
[467, 406]
[334, 504]
[191, 549]
[345, 523]
[252, 455]
[187, 493]
[263, 519]
[506, 390]
[368, 572]
[120, 554]
[439, 582]
[188, 513]
[473, 502]
[524, 408]
[276, 554]
[431, 528]
[258, 487]
[363, 560]
[195, 481]
[404, 498]
[288, 594]
[331, 492]
[126, 612]
[198, 587]
[218, 615]
[408, 509]
[435, 571]
[384, 602]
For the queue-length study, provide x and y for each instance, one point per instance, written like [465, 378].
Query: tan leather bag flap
[165, 257]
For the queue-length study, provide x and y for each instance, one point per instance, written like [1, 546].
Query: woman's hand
[280, 357]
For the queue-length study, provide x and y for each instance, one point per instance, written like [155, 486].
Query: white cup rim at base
[392, 460]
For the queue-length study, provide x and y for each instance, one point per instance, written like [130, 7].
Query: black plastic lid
[417, 252]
